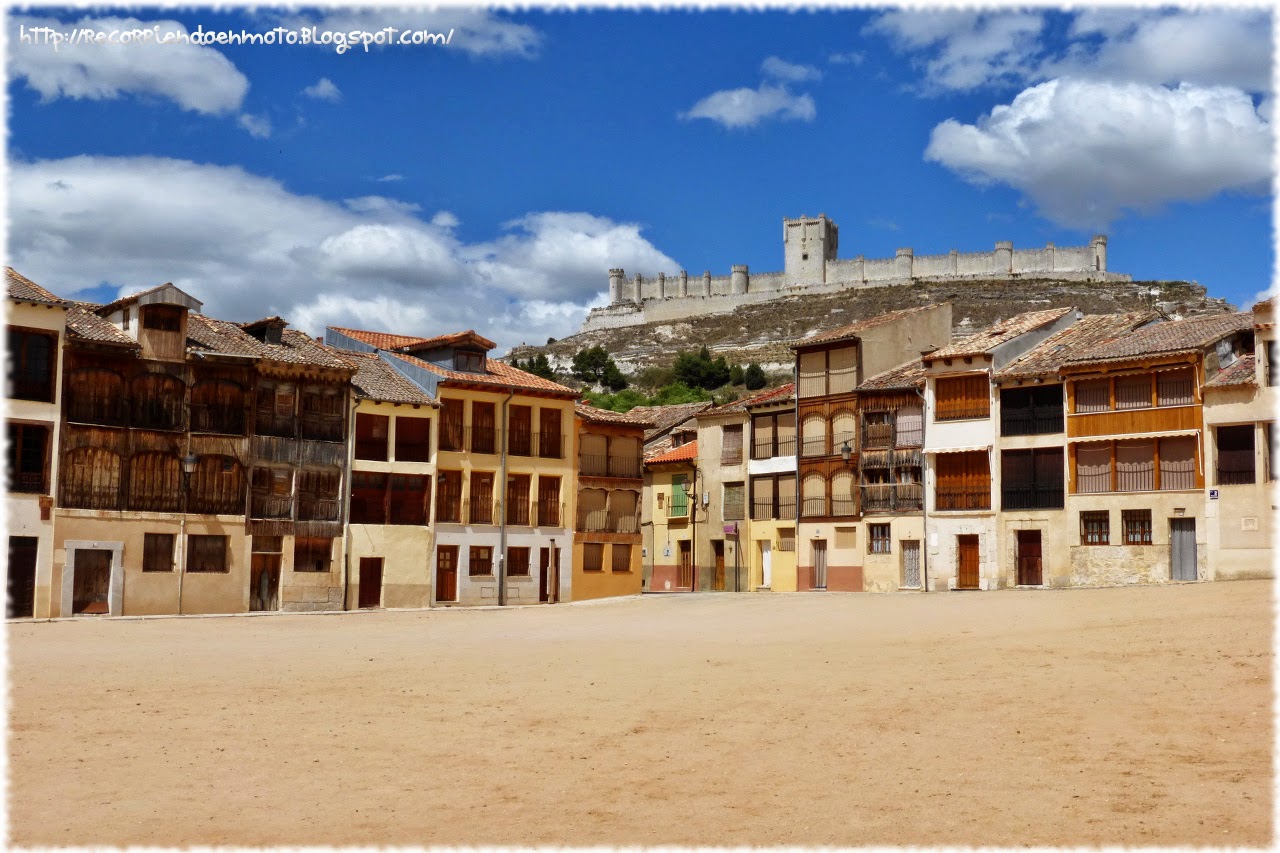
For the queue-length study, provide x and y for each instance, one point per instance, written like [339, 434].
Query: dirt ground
[1137, 716]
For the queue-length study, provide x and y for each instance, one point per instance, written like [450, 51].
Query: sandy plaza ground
[1135, 716]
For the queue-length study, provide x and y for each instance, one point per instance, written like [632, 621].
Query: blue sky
[491, 183]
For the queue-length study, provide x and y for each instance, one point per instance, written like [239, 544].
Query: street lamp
[846, 451]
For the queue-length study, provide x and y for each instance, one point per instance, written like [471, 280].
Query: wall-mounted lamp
[440, 477]
[189, 464]
[846, 451]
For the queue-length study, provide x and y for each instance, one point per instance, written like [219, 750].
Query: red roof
[26, 290]
[1243, 372]
[683, 453]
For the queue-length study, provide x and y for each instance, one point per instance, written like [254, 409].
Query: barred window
[878, 541]
[593, 557]
[480, 561]
[962, 397]
[1095, 528]
[621, 558]
[1137, 526]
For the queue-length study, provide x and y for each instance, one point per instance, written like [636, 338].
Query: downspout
[924, 497]
[502, 506]
[346, 503]
[693, 530]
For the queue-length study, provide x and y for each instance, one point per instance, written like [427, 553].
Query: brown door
[92, 582]
[447, 573]
[544, 574]
[684, 578]
[1029, 573]
[967, 551]
[22, 577]
[819, 564]
[264, 582]
[370, 582]
[717, 548]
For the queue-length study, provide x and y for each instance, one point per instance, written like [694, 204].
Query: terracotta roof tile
[667, 417]
[771, 395]
[295, 347]
[1084, 335]
[84, 324]
[659, 446]
[497, 373]
[1242, 372]
[1167, 338]
[683, 453]
[906, 376]
[26, 290]
[377, 380]
[220, 336]
[604, 416]
[853, 329]
[999, 333]
[381, 340]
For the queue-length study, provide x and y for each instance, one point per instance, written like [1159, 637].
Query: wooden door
[684, 577]
[91, 584]
[1029, 564]
[766, 562]
[22, 577]
[1182, 548]
[447, 573]
[717, 549]
[370, 582]
[264, 582]
[911, 564]
[819, 564]
[967, 561]
[544, 574]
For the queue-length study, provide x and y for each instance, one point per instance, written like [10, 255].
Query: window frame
[42, 390]
[879, 538]
[1136, 521]
[200, 548]
[158, 557]
[1088, 534]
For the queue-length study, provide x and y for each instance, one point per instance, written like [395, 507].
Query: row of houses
[165, 462]
[1052, 449]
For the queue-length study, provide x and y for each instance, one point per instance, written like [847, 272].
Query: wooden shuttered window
[813, 378]
[842, 369]
[620, 555]
[964, 481]
[679, 505]
[962, 397]
[592, 557]
[450, 424]
[413, 439]
[735, 501]
[157, 552]
[731, 445]
[207, 554]
[371, 436]
[518, 562]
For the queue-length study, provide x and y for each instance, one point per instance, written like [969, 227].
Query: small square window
[878, 541]
[518, 562]
[1137, 526]
[207, 554]
[157, 552]
[1095, 528]
[481, 561]
[621, 555]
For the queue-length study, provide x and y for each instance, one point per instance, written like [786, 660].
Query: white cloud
[969, 49]
[748, 107]
[323, 90]
[478, 32]
[249, 247]
[1083, 151]
[259, 127]
[196, 78]
[852, 57]
[789, 72]
[388, 178]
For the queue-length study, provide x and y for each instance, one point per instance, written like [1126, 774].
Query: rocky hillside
[762, 332]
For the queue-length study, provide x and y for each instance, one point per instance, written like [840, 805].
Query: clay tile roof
[604, 416]
[377, 380]
[853, 329]
[26, 290]
[300, 348]
[909, 375]
[83, 323]
[381, 340]
[470, 336]
[1005, 330]
[178, 293]
[1243, 372]
[683, 453]
[772, 395]
[666, 417]
[1268, 303]
[497, 373]
[219, 336]
[1082, 336]
[1170, 337]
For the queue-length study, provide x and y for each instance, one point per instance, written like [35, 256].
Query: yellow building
[36, 328]
[606, 541]
[770, 546]
[673, 513]
[504, 487]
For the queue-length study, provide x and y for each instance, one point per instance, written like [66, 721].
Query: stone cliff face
[763, 331]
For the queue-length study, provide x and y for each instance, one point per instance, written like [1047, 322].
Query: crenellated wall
[809, 248]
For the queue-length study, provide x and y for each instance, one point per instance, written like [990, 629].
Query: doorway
[717, 552]
[967, 561]
[447, 573]
[544, 575]
[22, 577]
[766, 563]
[911, 564]
[264, 582]
[1182, 548]
[684, 575]
[92, 584]
[819, 564]
[1030, 567]
[370, 582]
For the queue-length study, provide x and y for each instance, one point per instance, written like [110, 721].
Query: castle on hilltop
[810, 266]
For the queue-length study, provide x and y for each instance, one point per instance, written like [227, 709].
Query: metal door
[22, 577]
[967, 561]
[911, 564]
[766, 562]
[1028, 557]
[819, 564]
[370, 582]
[447, 573]
[1182, 548]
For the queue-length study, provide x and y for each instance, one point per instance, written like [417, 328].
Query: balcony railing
[766, 449]
[157, 414]
[593, 465]
[267, 422]
[452, 437]
[814, 447]
[766, 509]
[1235, 467]
[550, 445]
[892, 497]
[1038, 496]
[604, 521]
[520, 442]
[480, 511]
[83, 408]
[593, 520]
[449, 509]
[318, 427]
[547, 513]
[270, 506]
[482, 439]
[811, 507]
[216, 504]
[624, 522]
[1036, 421]
[222, 420]
[625, 466]
[844, 506]
[877, 435]
[955, 497]
[319, 509]
[518, 510]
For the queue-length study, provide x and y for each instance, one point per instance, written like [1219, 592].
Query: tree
[735, 375]
[697, 370]
[754, 377]
[589, 364]
[538, 365]
[613, 378]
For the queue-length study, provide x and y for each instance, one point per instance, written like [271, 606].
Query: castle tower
[616, 277]
[807, 244]
[1099, 244]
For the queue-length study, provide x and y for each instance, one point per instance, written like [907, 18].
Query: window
[1093, 396]
[1095, 528]
[1273, 369]
[319, 494]
[207, 553]
[878, 541]
[1135, 465]
[451, 424]
[1137, 526]
[1133, 392]
[549, 501]
[813, 494]
[32, 357]
[1031, 479]
[518, 562]
[550, 441]
[846, 538]
[1093, 468]
[1036, 410]
[449, 497]
[1178, 463]
[468, 361]
[962, 397]
[520, 430]
[773, 496]
[126, 316]
[877, 429]
[480, 509]
[813, 436]
[813, 380]
[621, 555]
[481, 561]
[731, 445]
[413, 439]
[518, 499]
[89, 478]
[157, 552]
[218, 406]
[410, 495]
[842, 369]
[786, 539]
[323, 418]
[910, 427]
[1235, 455]
[28, 458]
[312, 554]
[679, 497]
[482, 427]
[660, 499]
[844, 431]
[153, 482]
[843, 501]
[1175, 388]
[734, 501]
[274, 413]
[1270, 449]
[592, 557]
[1226, 353]
[368, 497]
[773, 435]
[963, 481]
[162, 318]
[371, 437]
[1131, 465]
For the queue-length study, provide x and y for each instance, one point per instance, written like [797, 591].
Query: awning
[968, 449]
[1131, 435]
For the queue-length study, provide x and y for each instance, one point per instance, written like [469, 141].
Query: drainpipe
[502, 506]
[346, 503]
[693, 529]
[924, 497]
